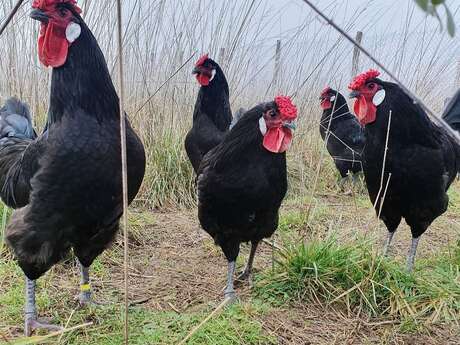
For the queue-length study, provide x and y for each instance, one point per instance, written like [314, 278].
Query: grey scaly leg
[246, 274]
[31, 322]
[342, 182]
[229, 289]
[355, 179]
[413, 251]
[386, 247]
[85, 287]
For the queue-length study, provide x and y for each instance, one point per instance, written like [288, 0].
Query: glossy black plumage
[422, 158]
[346, 140]
[241, 186]
[67, 181]
[211, 117]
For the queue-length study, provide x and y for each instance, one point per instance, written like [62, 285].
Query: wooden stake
[356, 53]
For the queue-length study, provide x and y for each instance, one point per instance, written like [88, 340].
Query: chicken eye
[62, 12]
[272, 113]
[370, 85]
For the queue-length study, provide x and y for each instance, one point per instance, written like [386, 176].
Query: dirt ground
[175, 266]
[186, 272]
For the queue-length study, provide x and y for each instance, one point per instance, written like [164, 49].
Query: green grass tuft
[352, 274]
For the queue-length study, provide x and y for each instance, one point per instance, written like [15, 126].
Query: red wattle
[278, 139]
[53, 46]
[203, 79]
[365, 110]
[326, 104]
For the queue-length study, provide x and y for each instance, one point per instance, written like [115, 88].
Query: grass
[337, 268]
[237, 325]
[354, 276]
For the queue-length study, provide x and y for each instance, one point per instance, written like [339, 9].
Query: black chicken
[344, 135]
[243, 180]
[422, 158]
[66, 183]
[212, 115]
[452, 112]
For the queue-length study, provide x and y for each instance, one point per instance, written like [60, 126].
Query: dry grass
[177, 276]
[176, 272]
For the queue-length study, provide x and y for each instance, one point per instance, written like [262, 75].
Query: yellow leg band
[85, 287]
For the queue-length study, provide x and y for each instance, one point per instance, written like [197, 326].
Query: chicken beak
[354, 94]
[196, 70]
[291, 125]
[39, 15]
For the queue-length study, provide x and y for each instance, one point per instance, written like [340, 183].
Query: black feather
[422, 158]
[241, 186]
[73, 170]
[452, 112]
[346, 140]
[211, 117]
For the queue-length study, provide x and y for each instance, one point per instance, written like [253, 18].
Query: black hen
[212, 115]
[452, 112]
[422, 158]
[66, 183]
[344, 135]
[243, 180]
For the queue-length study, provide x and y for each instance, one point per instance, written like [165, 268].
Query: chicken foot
[31, 322]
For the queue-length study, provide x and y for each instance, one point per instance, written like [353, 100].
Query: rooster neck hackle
[409, 122]
[83, 82]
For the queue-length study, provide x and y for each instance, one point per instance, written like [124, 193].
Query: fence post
[276, 74]
[356, 53]
[222, 56]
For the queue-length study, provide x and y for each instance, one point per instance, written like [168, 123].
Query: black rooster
[243, 180]
[212, 115]
[422, 158]
[66, 183]
[344, 135]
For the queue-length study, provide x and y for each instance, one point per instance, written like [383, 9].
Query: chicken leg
[229, 289]
[386, 247]
[85, 296]
[342, 182]
[31, 322]
[412, 252]
[85, 287]
[246, 274]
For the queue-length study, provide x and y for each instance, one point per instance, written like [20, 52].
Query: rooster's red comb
[47, 4]
[286, 108]
[325, 91]
[202, 59]
[362, 78]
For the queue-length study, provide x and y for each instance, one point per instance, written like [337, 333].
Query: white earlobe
[213, 74]
[332, 98]
[262, 126]
[72, 32]
[379, 97]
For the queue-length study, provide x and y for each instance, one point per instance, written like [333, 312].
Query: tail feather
[452, 112]
[17, 161]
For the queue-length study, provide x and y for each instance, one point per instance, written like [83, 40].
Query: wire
[124, 167]
[416, 99]
[10, 16]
